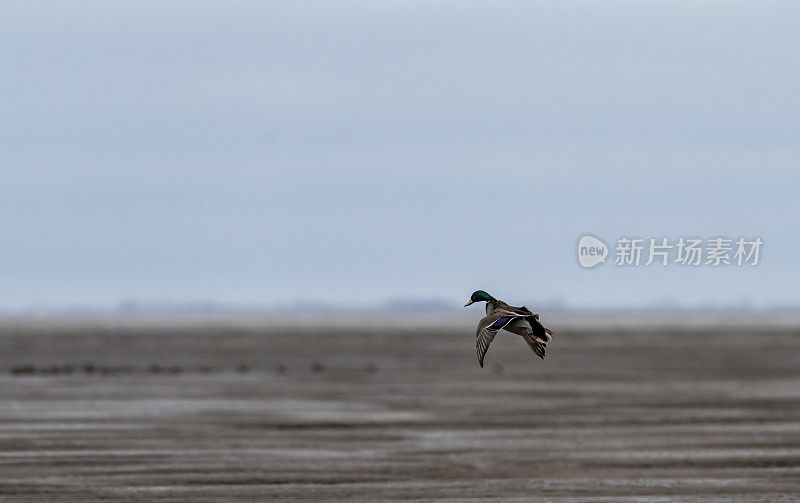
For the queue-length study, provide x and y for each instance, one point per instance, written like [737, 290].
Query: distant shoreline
[577, 318]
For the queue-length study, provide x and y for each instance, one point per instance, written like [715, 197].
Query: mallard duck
[517, 320]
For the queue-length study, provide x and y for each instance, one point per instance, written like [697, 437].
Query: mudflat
[221, 411]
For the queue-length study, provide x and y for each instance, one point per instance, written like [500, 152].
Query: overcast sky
[269, 153]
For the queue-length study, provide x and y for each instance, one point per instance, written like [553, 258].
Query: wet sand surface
[220, 412]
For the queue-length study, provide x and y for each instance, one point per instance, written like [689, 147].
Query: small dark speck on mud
[51, 370]
[243, 369]
[155, 368]
[281, 368]
[371, 368]
[89, 368]
[317, 367]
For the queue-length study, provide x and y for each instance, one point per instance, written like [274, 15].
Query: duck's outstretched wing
[487, 329]
[537, 346]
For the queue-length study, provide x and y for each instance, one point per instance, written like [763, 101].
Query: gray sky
[354, 152]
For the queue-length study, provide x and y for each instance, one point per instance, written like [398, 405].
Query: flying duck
[517, 320]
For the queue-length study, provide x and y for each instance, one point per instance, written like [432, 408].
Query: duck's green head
[479, 296]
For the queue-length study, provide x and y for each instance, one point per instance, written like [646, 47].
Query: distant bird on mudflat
[517, 320]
